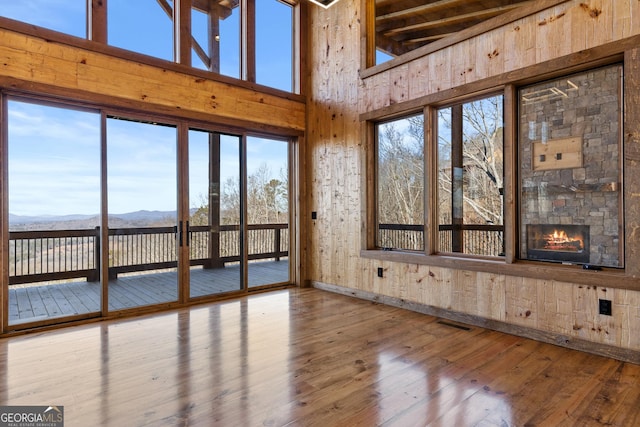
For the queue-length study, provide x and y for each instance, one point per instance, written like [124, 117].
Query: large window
[401, 183]
[274, 44]
[141, 26]
[535, 174]
[470, 178]
[468, 186]
[251, 40]
[216, 44]
[570, 169]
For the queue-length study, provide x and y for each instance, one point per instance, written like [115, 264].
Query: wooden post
[631, 161]
[248, 31]
[97, 20]
[457, 190]
[276, 241]
[95, 275]
[214, 202]
[182, 31]
[214, 39]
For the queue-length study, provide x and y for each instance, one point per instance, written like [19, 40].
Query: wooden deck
[30, 303]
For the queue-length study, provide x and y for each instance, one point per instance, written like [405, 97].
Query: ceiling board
[404, 25]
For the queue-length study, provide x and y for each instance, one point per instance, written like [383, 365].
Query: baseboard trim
[622, 354]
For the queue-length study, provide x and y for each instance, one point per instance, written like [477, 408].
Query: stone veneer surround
[584, 185]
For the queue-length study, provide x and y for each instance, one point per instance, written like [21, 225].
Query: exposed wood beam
[168, 9]
[97, 21]
[426, 8]
[427, 39]
[389, 45]
[481, 14]
[182, 31]
[207, 6]
[202, 54]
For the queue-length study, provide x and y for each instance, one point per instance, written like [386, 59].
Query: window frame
[435, 165]
[424, 181]
[625, 53]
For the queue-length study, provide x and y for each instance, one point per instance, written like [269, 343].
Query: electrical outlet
[604, 307]
[380, 271]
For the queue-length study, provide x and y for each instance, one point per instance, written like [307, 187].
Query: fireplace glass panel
[557, 242]
[570, 169]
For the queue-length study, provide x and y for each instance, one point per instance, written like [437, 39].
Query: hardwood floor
[305, 357]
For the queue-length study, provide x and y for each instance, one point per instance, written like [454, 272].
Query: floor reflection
[310, 358]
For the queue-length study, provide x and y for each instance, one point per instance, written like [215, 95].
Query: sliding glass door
[239, 212]
[142, 221]
[97, 224]
[214, 213]
[54, 205]
[267, 211]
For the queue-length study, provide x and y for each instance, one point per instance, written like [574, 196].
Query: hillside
[141, 218]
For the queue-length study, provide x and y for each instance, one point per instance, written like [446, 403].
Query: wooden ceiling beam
[390, 46]
[202, 54]
[425, 8]
[207, 6]
[481, 14]
[429, 39]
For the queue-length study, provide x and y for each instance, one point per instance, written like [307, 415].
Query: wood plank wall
[336, 157]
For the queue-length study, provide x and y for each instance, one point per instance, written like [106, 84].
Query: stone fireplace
[558, 242]
[570, 173]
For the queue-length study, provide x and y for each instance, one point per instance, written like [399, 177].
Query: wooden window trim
[625, 51]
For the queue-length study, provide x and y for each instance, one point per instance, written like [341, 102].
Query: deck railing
[38, 256]
[477, 239]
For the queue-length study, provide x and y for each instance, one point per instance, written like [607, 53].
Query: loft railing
[38, 256]
[477, 239]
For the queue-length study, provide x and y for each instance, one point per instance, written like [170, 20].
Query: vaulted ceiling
[404, 25]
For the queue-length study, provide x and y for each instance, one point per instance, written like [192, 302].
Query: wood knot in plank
[551, 19]
[592, 11]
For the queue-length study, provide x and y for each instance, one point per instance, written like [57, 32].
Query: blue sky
[54, 153]
[54, 162]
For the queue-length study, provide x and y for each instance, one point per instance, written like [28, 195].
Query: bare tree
[267, 196]
[482, 151]
[267, 199]
[401, 172]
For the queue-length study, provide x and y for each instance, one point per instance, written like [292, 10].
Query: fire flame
[560, 241]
